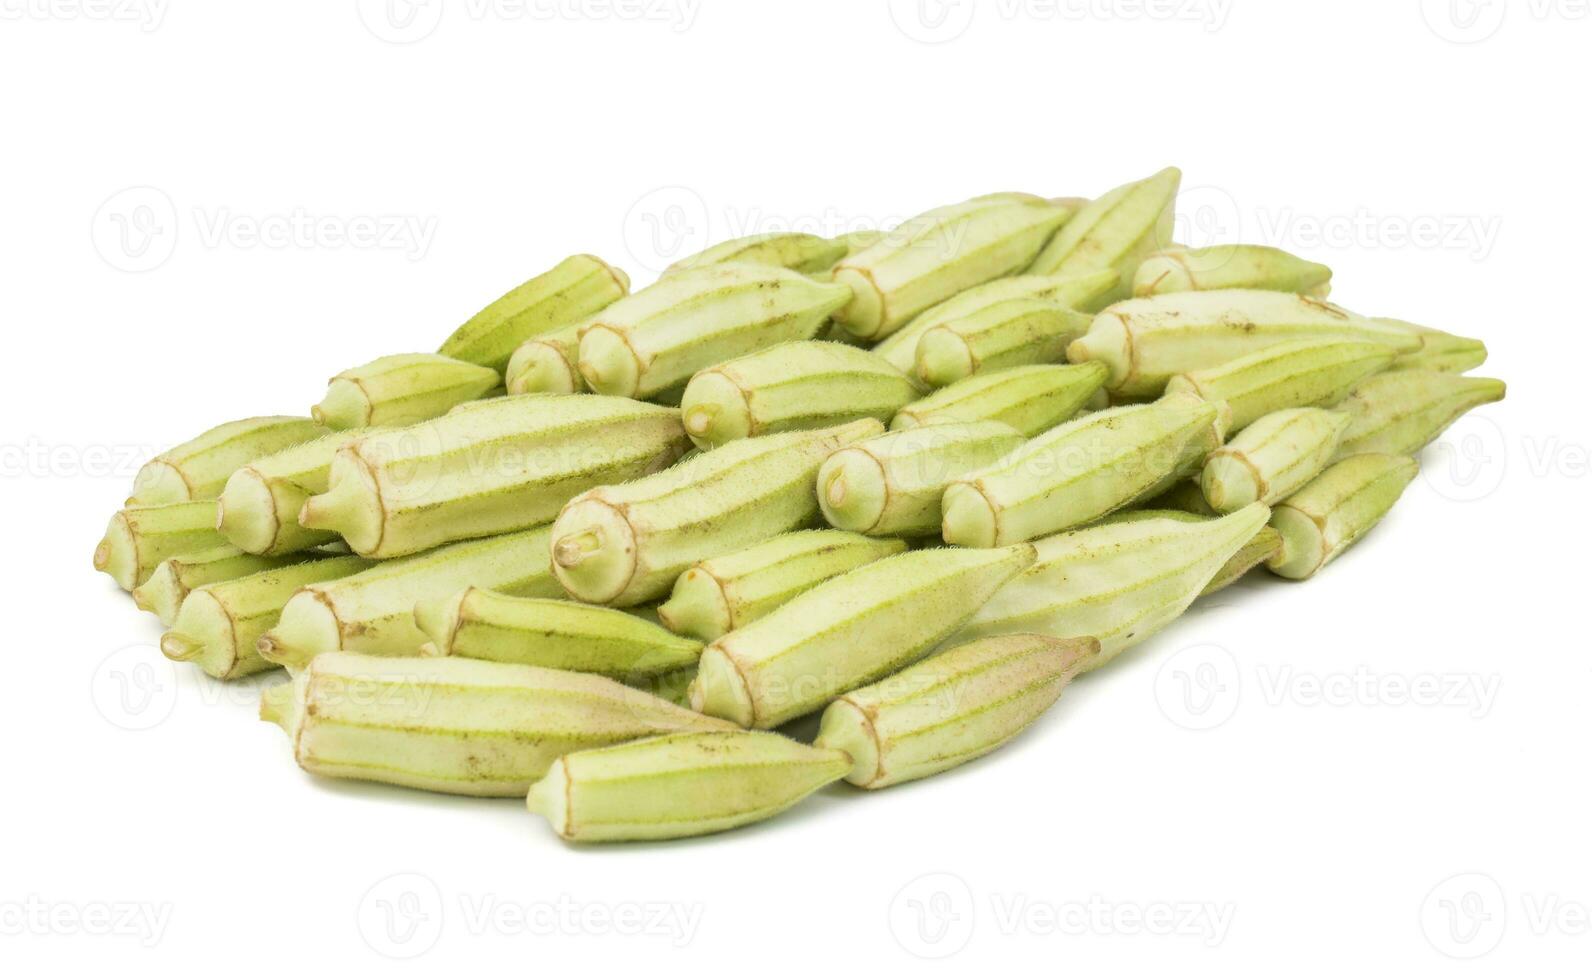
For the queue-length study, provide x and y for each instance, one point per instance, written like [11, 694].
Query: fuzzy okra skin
[721, 594]
[892, 484]
[198, 469]
[626, 544]
[805, 384]
[374, 610]
[1439, 351]
[848, 632]
[138, 539]
[1081, 471]
[1265, 546]
[654, 340]
[219, 624]
[259, 506]
[485, 625]
[547, 364]
[683, 785]
[951, 708]
[794, 250]
[165, 589]
[938, 254]
[453, 725]
[1115, 231]
[1119, 581]
[1030, 399]
[487, 469]
[1401, 412]
[569, 292]
[1272, 458]
[1010, 334]
[402, 389]
[1304, 374]
[1144, 342]
[1230, 267]
[1336, 509]
[1087, 293]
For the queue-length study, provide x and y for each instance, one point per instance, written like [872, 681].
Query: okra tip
[849, 729]
[180, 646]
[438, 618]
[853, 490]
[969, 520]
[608, 363]
[345, 508]
[697, 607]
[345, 406]
[943, 357]
[720, 690]
[548, 797]
[279, 706]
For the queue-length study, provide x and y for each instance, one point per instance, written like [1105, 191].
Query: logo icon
[665, 225]
[932, 21]
[400, 917]
[1469, 462]
[401, 21]
[1464, 21]
[135, 230]
[1205, 216]
[932, 915]
[135, 688]
[1464, 916]
[1198, 688]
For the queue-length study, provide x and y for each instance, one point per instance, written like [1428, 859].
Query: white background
[1198, 808]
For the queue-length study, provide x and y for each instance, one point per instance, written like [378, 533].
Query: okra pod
[402, 389]
[198, 469]
[1115, 231]
[1272, 458]
[794, 250]
[1336, 509]
[1439, 351]
[1011, 334]
[1230, 267]
[260, 504]
[1030, 399]
[138, 539]
[569, 292]
[547, 364]
[162, 593]
[1401, 412]
[1304, 374]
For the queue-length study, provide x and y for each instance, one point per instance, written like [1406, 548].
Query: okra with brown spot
[1336, 509]
[1030, 399]
[805, 384]
[716, 596]
[951, 708]
[625, 545]
[848, 632]
[198, 469]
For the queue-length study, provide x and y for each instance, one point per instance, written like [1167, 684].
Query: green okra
[260, 504]
[453, 725]
[219, 624]
[1272, 458]
[654, 340]
[198, 469]
[1185, 496]
[1081, 471]
[848, 632]
[1303, 374]
[138, 539]
[940, 253]
[1116, 231]
[725, 593]
[624, 545]
[794, 250]
[485, 625]
[1144, 342]
[892, 484]
[402, 389]
[1011, 334]
[683, 785]
[494, 467]
[1439, 351]
[1401, 412]
[1030, 399]
[171, 581]
[1086, 293]
[1230, 267]
[1336, 509]
[951, 708]
[1119, 581]
[569, 292]
[1264, 547]
[547, 364]
[804, 384]
[374, 610]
